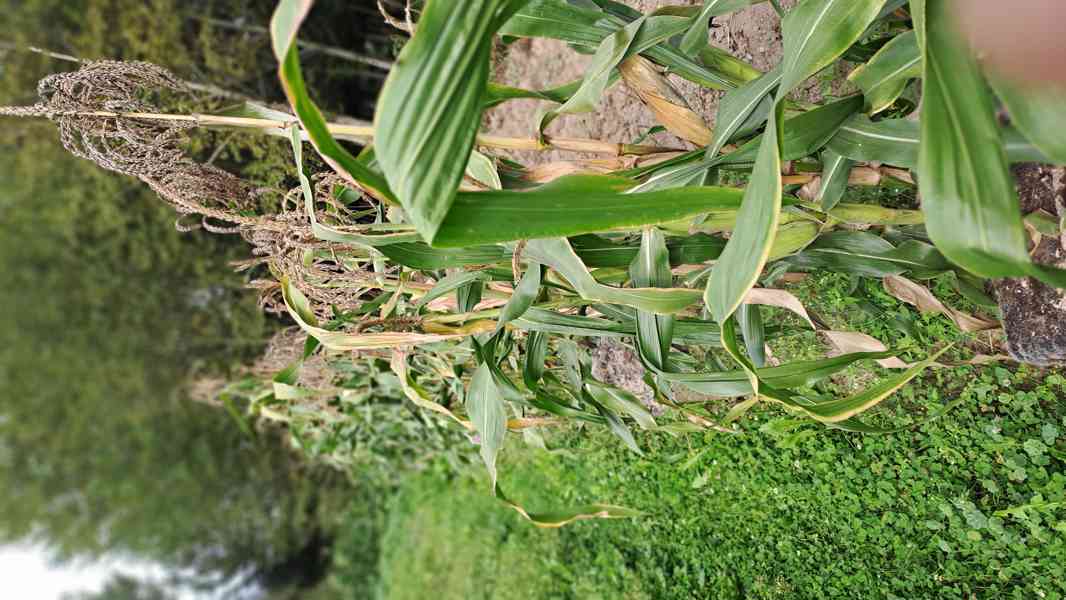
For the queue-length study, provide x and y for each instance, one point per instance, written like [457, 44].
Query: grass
[962, 507]
[971, 505]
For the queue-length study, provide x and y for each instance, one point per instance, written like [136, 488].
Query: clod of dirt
[752, 34]
[1034, 314]
[615, 363]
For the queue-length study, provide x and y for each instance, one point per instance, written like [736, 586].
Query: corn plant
[599, 254]
[475, 276]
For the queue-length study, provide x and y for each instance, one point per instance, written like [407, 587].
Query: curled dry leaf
[554, 170]
[847, 342]
[780, 299]
[669, 106]
[398, 365]
[919, 296]
[866, 176]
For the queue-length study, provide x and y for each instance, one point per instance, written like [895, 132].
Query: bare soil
[753, 34]
[1034, 314]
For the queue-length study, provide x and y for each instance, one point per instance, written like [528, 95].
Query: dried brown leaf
[780, 299]
[920, 297]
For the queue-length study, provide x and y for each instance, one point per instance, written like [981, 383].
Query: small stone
[615, 363]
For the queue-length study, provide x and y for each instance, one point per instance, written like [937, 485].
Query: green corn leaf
[815, 33]
[793, 237]
[560, 20]
[555, 405]
[694, 249]
[804, 134]
[968, 196]
[430, 107]
[891, 141]
[837, 411]
[884, 77]
[622, 402]
[546, 321]
[749, 317]
[675, 60]
[287, 19]
[630, 40]
[835, 172]
[696, 36]
[897, 141]
[468, 295]
[616, 425]
[651, 268]
[557, 254]
[482, 169]
[1039, 113]
[792, 375]
[496, 94]
[686, 331]
[596, 251]
[685, 68]
[748, 249]
[525, 293]
[865, 254]
[571, 205]
[487, 411]
[871, 214]
[423, 257]
[738, 105]
[729, 66]
[536, 355]
[588, 27]
[332, 234]
[732, 347]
